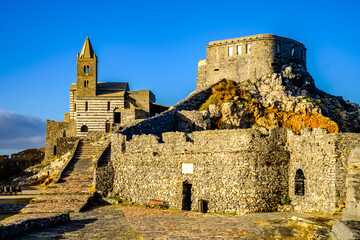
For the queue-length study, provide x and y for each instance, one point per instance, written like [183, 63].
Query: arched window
[86, 106]
[87, 68]
[108, 105]
[84, 128]
[299, 183]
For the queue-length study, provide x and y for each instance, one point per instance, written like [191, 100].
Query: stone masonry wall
[234, 170]
[323, 159]
[168, 120]
[252, 57]
[55, 130]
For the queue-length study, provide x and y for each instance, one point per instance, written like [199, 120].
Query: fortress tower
[249, 57]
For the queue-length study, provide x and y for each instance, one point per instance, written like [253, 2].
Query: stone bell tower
[86, 71]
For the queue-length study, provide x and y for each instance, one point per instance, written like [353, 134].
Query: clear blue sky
[156, 45]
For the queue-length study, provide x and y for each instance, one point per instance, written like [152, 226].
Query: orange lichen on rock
[297, 121]
[256, 114]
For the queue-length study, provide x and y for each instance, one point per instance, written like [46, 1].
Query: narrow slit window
[292, 51]
[278, 48]
[248, 48]
[238, 50]
[230, 51]
[108, 105]
[86, 106]
[84, 69]
[87, 68]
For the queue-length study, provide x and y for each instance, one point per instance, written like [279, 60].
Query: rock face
[288, 99]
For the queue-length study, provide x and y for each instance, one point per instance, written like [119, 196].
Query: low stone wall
[352, 209]
[322, 157]
[11, 229]
[346, 230]
[104, 173]
[167, 121]
[233, 170]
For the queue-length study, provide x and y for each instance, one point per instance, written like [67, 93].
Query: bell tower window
[86, 83]
[86, 68]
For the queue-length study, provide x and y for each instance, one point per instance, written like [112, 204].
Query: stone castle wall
[234, 170]
[323, 158]
[246, 58]
[11, 166]
[55, 130]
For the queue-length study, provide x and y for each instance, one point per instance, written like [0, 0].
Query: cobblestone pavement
[174, 224]
[111, 222]
[105, 222]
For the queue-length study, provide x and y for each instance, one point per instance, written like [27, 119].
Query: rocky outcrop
[288, 99]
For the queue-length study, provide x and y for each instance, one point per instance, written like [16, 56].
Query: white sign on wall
[187, 168]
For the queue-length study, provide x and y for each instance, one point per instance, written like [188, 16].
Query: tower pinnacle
[87, 50]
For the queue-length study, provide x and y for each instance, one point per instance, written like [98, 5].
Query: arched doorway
[186, 196]
[299, 183]
[107, 126]
[84, 128]
[117, 115]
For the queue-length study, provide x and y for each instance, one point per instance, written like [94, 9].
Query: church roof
[113, 88]
[87, 50]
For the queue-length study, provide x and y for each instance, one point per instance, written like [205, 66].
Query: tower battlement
[248, 57]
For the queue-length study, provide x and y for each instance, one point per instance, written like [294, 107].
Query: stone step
[61, 198]
[67, 190]
[53, 207]
[74, 183]
[82, 177]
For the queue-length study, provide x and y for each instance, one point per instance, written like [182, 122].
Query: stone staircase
[74, 189]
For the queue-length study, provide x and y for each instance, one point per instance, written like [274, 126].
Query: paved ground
[106, 222]
[27, 192]
[120, 222]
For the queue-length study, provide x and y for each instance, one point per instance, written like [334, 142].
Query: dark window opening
[216, 69]
[107, 126]
[64, 134]
[117, 115]
[86, 83]
[299, 183]
[55, 150]
[186, 196]
[86, 106]
[108, 105]
[75, 107]
[278, 48]
[84, 128]
[84, 69]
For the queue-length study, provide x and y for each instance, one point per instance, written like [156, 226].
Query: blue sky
[156, 45]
